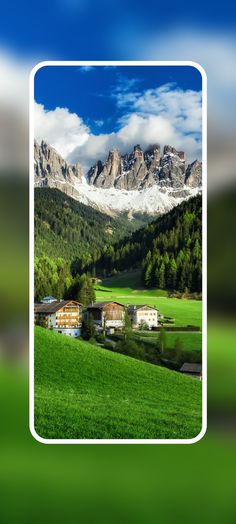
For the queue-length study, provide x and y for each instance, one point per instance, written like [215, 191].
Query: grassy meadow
[83, 391]
[190, 341]
[126, 288]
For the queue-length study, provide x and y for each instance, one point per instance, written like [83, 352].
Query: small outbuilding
[193, 369]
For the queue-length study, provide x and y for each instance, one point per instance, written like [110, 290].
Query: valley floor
[126, 288]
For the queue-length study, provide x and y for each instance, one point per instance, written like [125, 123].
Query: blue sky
[75, 29]
[92, 92]
[84, 112]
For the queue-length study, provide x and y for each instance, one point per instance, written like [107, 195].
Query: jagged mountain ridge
[148, 182]
[143, 169]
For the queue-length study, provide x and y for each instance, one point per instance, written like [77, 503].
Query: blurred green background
[71, 483]
[108, 483]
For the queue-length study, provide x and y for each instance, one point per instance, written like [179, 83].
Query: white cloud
[99, 123]
[182, 108]
[165, 115]
[138, 129]
[14, 83]
[215, 51]
[86, 69]
[60, 128]
[14, 97]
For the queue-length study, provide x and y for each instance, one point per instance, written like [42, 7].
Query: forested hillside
[168, 250]
[69, 229]
[70, 235]
[72, 239]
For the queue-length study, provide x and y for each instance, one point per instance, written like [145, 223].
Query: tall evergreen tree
[161, 274]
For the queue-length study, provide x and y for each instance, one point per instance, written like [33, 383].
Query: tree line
[73, 240]
[53, 277]
[168, 250]
[65, 228]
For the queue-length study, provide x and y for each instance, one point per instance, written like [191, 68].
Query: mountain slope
[110, 395]
[168, 250]
[69, 229]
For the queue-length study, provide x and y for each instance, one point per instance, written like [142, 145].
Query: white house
[140, 314]
[63, 316]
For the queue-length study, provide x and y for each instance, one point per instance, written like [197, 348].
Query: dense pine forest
[69, 229]
[168, 250]
[69, 238]
[72, 239]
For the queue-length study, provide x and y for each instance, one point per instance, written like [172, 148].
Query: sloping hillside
[168, 250]
[82, 391]
[69, 229]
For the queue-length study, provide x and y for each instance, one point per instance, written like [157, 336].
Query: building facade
[143, 314]
[106, 314]
[63, 316]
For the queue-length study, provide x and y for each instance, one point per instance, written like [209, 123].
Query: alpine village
[118, 342]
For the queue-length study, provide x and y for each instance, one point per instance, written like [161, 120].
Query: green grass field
[126, 288]
[190, 341]
[83, 391]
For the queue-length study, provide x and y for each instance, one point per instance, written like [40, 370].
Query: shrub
[88, 329]
[100, 337]
[143, 326]
[131, 348]
[41, 323]
[92, 341]
[108, 345]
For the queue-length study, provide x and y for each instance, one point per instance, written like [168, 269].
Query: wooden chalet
[106, 314]
[63, 316]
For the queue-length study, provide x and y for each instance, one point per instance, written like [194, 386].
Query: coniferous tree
[161, 274]
[162, 340]
[88, 329]
[148, 275]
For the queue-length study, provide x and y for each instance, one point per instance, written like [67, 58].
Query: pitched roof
[100, 305]
[49, 297]
[188, 367]
[54, 306]
[141, 306]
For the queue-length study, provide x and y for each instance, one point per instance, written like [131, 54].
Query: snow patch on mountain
[114, 201]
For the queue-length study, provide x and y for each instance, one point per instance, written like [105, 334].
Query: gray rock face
[138, 170]
[105, 175]
[141, 170]
[173, 166]
[51, 170]
[193, 175]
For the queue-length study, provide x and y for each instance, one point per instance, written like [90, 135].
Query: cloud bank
[61, 129]
[166, 115]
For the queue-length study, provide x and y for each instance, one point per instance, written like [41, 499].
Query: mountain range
[152, 181]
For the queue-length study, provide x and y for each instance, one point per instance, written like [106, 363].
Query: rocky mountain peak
[138, 153]
[152, 157]
[158, 177]
[142, 169]
[193, 175]
[51, 170]
[114, 155]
